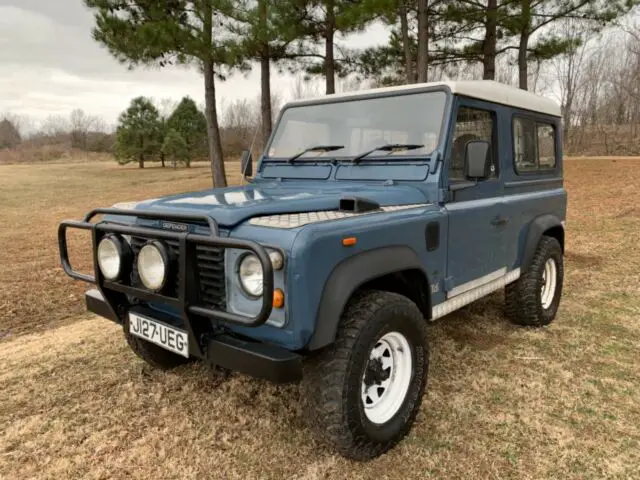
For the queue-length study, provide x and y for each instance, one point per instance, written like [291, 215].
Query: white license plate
[161, 334]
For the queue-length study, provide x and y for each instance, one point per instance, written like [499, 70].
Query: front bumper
[252, 358]
[203, 324]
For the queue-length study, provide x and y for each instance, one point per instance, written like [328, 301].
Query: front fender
[347, 277]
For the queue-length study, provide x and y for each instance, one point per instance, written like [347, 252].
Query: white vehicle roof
[488, 90]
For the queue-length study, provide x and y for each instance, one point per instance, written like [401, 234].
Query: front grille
[211, 277]
[210, 273]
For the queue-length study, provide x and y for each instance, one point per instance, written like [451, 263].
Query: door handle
[499, 221]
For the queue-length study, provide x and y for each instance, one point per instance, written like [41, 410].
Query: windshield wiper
[390, 147]
[317, 148]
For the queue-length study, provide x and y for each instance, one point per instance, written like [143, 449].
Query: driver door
[477, 232]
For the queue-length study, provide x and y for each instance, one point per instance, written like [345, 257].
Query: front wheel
[364, 392]
[155, 356]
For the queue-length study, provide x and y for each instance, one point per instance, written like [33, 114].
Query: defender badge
[176, 227]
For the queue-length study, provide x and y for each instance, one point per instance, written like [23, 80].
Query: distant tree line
[541, 45]
[78, 130]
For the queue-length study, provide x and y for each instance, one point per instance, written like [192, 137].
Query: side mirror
[477, 159]
[246, 164]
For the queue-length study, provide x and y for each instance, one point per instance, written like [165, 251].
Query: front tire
[364, 392]
[534, 299]
[155, 356]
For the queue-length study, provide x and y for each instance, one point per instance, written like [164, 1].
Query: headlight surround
[251, 275]
[112, 255]
[153, 265]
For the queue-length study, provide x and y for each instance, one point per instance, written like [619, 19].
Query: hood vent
[358, 205]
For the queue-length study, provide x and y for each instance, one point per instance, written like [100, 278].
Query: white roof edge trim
[488, 90]
[294, 220]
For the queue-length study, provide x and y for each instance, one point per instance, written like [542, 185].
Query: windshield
[361, 125]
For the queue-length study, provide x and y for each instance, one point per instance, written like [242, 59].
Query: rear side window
[534, 145]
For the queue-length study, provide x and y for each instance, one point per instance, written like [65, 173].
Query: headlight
[251, 275]
[110, 257]
[153, 265]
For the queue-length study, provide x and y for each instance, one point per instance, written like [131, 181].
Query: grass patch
[502, 402]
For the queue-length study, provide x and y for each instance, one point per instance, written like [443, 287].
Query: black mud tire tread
[154, 355]
[522, 298]
[326, 376]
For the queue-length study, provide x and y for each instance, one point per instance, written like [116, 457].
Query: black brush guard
[115, 293]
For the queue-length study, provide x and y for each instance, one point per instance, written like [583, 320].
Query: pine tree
[183, 32]
[528, 17]
[268, 29]
[324, 21]
[416, 29]
[475, 28]
[139, 133]
[175, 148]
[190, 124]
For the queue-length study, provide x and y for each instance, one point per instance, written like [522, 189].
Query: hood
[230, 206]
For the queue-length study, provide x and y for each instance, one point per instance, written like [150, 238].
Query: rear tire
[363, 393]
[534, 299]
[154, 355]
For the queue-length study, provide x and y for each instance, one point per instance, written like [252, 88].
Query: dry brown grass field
[502, 402]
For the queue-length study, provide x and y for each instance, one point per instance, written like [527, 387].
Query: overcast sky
[49, 65]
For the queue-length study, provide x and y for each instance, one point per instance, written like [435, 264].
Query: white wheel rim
[387, 376]
[549, 282]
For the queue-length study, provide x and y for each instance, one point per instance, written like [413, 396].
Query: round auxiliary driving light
[153, 265]
[251, 275]
[111, 254]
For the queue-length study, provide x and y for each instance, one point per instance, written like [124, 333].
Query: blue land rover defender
[370, 214]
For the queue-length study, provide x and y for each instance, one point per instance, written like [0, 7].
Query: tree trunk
[329, 60]
[162, 159]
[406, 41]
[213, 131]
[489, 43]
[265, 76]
[523, 67]
[423, 40]
[141, 161]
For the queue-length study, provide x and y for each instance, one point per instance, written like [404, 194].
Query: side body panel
[533, 202]
[521, 208]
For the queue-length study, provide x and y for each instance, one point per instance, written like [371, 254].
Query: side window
[534, 145]
[546, 146]
[471, 124]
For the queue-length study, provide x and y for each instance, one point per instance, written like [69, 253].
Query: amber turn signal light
[349, 241]
[278, 298]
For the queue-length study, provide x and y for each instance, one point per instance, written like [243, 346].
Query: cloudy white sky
[49, 65]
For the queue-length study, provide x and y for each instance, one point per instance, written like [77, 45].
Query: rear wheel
[364, 392]
[534, 299]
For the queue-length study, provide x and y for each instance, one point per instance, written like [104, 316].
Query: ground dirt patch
[502, 402]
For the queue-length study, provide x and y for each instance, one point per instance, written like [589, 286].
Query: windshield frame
[356, 96]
